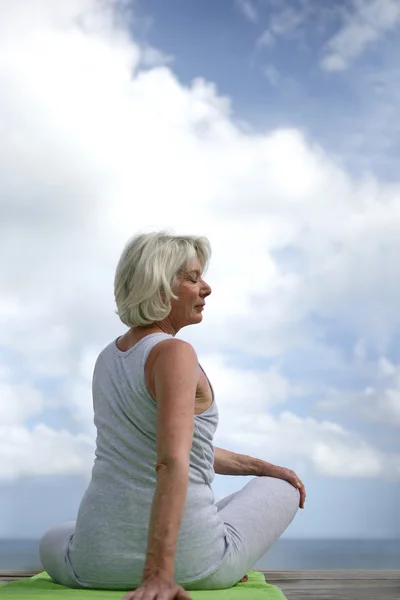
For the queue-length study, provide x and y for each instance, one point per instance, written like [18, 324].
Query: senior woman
[148, 520]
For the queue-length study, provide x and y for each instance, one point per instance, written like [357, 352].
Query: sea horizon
[22, 554]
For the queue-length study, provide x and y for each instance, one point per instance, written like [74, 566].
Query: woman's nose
[206, 290]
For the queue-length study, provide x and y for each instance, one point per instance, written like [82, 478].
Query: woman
[148, 519]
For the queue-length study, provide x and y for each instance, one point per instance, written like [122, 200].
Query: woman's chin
[197, 318]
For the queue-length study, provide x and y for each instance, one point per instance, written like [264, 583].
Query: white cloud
[43, 451]
[18, 401]
[152, 57]
[239, 389]
[272, 74]
[303, 443]
[334, 62]
[248, 10]
[368, 22]
[286, 21]
[92, 150]
[265, 40]
[246, 423]
[377, 402]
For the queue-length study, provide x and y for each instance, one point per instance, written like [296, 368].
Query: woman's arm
[174, 375]
[231, 463]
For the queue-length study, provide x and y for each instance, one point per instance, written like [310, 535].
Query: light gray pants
[255, 517]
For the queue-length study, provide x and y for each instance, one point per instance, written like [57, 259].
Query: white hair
[147, 272]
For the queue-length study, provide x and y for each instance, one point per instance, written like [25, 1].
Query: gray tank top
[108, 548]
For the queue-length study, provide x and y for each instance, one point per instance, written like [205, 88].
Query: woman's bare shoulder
[167, 359]
[174, 349]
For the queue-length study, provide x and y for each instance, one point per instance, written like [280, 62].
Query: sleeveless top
[108, 548]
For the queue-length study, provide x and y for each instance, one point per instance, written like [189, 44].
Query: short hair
[148, 270]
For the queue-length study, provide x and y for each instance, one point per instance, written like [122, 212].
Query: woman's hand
[287, 475]
[158, 588]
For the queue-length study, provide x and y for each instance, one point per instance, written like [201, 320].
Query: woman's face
[192, 291]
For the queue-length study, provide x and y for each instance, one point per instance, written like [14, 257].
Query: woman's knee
[290, 496]
[52, 547]
[285, 492]
[53, 536]
[46, 545]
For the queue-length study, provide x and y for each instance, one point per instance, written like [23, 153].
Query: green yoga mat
[41, 587]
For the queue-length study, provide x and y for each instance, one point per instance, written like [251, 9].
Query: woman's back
[110, 541]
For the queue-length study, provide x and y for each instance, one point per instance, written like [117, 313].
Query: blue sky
[272, 127]
[267, 59]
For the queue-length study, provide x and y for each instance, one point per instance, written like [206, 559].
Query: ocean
[286, 554]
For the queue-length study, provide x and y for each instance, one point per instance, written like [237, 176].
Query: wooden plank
[14, 575]
[337, 574]
[337, 584]
[344, 590]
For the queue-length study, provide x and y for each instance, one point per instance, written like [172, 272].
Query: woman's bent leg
[224, 501]
[255, 518]
[52, 551]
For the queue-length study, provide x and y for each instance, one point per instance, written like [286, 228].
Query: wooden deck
[319, 585]
[337, 585]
